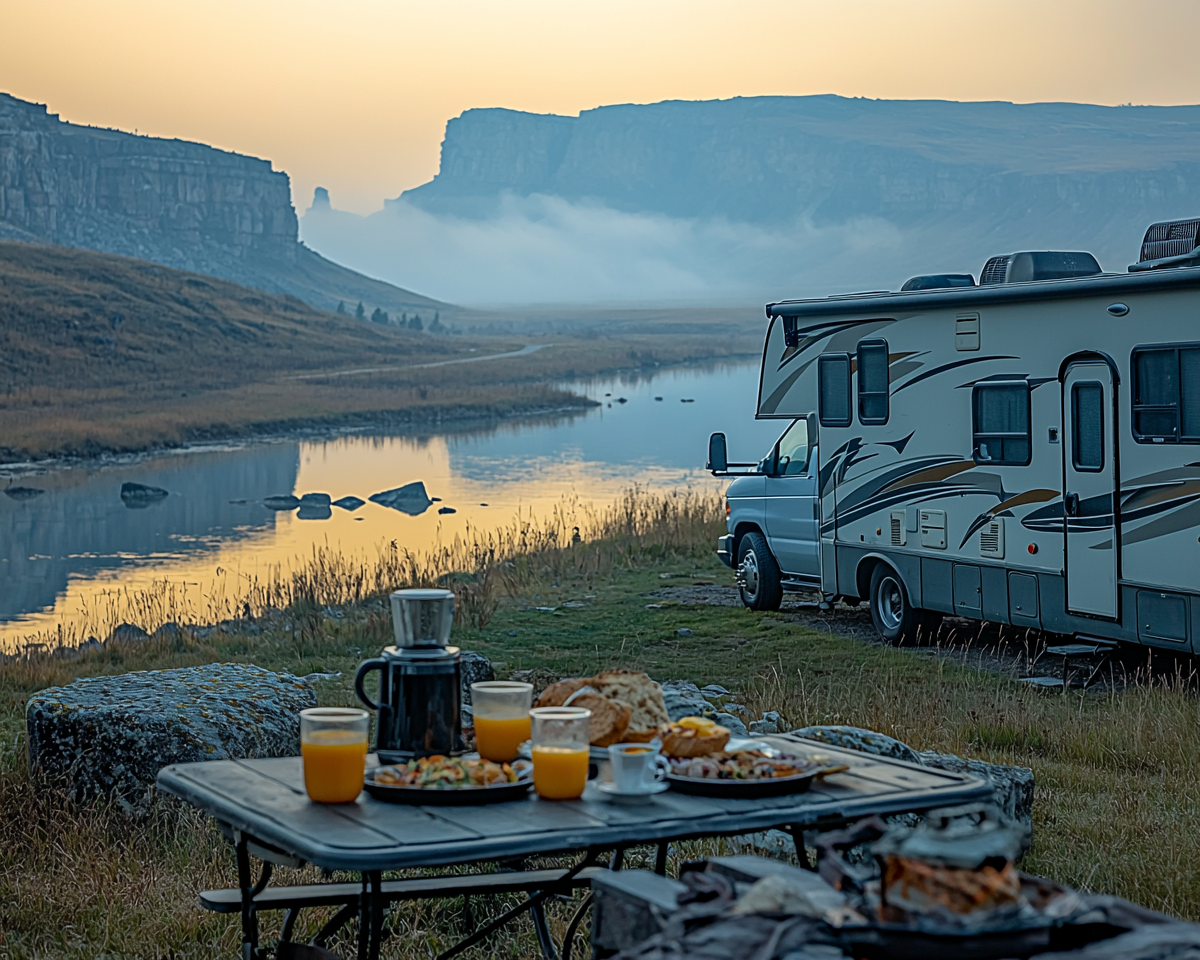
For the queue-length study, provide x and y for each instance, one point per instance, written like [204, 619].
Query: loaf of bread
[609, 719]
[557, 694]
[643, 697]
[693, 737]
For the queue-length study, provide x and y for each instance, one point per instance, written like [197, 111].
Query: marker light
[1032, 548]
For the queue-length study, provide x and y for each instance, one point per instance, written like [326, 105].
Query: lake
[64, 551]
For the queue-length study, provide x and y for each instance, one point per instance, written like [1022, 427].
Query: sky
[354, 95]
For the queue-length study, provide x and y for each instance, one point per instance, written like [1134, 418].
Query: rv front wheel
[891, 610]
[759, 582]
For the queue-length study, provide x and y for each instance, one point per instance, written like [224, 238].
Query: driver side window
[793, 450]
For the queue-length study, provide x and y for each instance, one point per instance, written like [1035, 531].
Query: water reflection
[60, 549]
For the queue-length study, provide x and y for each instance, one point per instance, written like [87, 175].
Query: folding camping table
[262, 806]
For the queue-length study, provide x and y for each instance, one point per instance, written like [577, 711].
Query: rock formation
[181, 204]
[1059, 172]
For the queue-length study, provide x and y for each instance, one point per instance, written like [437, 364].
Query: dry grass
[1118, 773]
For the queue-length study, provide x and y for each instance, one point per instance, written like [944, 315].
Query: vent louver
[1174, 238]
[994, 271]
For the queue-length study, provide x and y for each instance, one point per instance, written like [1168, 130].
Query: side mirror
[718, 455]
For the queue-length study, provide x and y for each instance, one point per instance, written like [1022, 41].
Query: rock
[128, 633]
[282, 502]
[770, 723]
[684, 632]
[90, 645]
[321, 499]
[683, 699]
[109, 736]
[23, 493]
[731, 723]
[446, 510]
[349, 503]
[865, 741]
[138, 496]
[410, 498]
[715, 690]
[1013, 785]
[314, 510]
[476, 668]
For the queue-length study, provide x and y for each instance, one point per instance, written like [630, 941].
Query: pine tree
[415, 323]
[341, 307]
[360, 312]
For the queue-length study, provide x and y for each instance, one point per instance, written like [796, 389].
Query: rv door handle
[1071, 504]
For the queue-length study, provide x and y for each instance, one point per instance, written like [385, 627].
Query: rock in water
[23, 493]
[410, 498]
[349, 503]
[138, 496]
[283, 502]
[109, 736]
[314, 509]
[317, 499]
[447, 510]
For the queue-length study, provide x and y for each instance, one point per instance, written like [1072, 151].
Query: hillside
[184, 205]
[100, 353]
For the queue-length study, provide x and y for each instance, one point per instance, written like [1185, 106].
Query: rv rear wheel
[759, 582]
[893, 614]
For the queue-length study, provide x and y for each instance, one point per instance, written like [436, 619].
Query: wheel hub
[748, 574]
[890, 605]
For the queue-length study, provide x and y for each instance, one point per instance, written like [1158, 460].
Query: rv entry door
[1093, 542]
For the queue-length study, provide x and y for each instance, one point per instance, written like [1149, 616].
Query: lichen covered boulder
[109, 736]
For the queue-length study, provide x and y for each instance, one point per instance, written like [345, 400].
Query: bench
[347, 895]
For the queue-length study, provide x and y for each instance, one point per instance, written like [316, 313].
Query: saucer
[609, 789]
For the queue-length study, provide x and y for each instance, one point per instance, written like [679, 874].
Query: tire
[894, 616]
[759, 582]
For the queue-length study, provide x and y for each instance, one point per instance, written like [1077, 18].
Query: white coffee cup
[636, 767]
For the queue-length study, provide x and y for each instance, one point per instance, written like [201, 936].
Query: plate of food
[450, 780]
[703, 763]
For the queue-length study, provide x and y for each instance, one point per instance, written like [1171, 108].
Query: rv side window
[1166, 394]
[872, 381]
[1087, 426]
[1000, 420]
[833, 377]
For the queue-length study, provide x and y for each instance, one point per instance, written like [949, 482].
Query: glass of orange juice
[333, 744]
[502, 723]
[560, 751]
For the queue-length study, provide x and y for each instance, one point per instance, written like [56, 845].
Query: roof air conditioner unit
[1172, 243]
[1039, 265]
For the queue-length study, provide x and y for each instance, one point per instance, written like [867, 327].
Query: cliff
[1057, 173]
[184, 205]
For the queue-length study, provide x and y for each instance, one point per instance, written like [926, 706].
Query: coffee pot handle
[364, 668]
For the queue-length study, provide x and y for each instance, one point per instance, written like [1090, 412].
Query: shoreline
[331, 426]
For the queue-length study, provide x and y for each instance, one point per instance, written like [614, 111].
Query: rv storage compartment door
[1089, 485]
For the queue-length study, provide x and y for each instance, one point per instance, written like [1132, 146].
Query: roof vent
[1038, 265]
[1170, 244]
[939, 281]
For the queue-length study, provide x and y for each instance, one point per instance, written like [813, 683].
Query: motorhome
[1023, 450]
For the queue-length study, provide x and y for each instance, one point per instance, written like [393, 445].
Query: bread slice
[609, 719]
[693, 737]
[643, 697]
[556, 694]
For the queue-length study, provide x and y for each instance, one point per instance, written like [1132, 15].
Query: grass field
[101, 353]
[1118, 773]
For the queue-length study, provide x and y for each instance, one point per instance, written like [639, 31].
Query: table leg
[249, 891]
[370, 916]
[660, 859]
[797, 832]
[573, 926]
[542, 930]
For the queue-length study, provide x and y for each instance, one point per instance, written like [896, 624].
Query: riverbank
[103, 355]
[1118, 771]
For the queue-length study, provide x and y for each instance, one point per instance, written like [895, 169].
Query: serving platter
[749, 789]
[453, 796]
